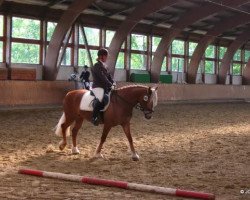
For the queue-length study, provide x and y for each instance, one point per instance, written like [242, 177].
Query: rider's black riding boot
[97, 107]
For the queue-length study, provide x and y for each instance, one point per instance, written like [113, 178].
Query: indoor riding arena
[191, 57]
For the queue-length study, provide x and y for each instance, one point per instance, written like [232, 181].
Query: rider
[102, 82]
[85, 77]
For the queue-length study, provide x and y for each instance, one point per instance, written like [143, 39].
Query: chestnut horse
[119, 112]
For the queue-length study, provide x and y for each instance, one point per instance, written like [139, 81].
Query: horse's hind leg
[105, 132]
[65, 126]
[126, 129]
[75, 130]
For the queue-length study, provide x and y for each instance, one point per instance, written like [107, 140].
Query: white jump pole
[119, 184]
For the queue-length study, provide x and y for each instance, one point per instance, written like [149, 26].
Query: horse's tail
[58, 128]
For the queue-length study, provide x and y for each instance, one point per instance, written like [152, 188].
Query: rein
[137, 106]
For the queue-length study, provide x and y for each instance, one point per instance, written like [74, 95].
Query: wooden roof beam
[184, 21]
[207, 39]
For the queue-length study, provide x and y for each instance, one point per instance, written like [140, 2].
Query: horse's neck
[131, 95]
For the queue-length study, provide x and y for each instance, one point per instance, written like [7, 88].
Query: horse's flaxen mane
[132, 86]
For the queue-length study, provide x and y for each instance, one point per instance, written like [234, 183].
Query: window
[237, 55]
[66, 57]
[210, 52]
[1, 39]
[1, 25]
[236, 69]
[177, 64]
[83, 58]
[247, 55]
[93, 36]
[109, 37]
[155, 43]
[192, 46]
[191, 49]
[25, 47]
[138, 51]
[210, 60]
[24, 53]
[209, 67]
[25, 28]
[177, 60]
[50, 29]
[120, 61]
[93, 54]
[178, 47]
[222, 51]
[237, 63]
[1, 51]
[164, 65]
[138, 61]
[138, 42]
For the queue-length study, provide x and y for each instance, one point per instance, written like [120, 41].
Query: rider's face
[104, 58]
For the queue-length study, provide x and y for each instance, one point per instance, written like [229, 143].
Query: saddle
[88, 99]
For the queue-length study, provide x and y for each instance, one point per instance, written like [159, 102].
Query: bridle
[138, 106]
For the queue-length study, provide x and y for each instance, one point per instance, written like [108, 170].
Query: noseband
[139, 107]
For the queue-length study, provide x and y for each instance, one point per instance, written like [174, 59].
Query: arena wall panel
[43, 93]
[27, 74]
[32, 93]
[3, 73]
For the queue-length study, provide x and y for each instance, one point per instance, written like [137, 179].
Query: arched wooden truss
[140, 11]
[64, 24]
[234, 46]
[187, 19]
[203, 43]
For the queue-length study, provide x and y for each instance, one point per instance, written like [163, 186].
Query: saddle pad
[87, 102]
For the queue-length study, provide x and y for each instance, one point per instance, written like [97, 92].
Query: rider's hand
[112, 87]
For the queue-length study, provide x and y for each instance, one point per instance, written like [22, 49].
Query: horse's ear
[155, 88]
[149, 90]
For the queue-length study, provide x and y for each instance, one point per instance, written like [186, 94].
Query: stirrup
[95, 121]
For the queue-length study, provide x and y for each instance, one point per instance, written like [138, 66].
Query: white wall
[236, 80]
[120, 75]
[210, 78]
[64, 72]
[199, 79]
[179, 77]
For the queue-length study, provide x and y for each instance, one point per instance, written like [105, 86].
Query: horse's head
[148, 101]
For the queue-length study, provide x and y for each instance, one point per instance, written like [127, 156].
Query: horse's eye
[145, 98]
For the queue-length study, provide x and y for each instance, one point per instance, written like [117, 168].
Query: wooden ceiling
[110, 11]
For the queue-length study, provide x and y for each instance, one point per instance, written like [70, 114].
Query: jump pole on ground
[119, 184]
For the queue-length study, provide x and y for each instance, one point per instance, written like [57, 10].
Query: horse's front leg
[105, 132]
[126, 129]
[75, 130]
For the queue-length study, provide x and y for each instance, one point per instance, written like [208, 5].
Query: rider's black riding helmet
[102, 52]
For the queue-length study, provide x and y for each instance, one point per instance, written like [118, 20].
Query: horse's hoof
[75, 150]
[135, 157]
[98, 155]
[62, 145]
